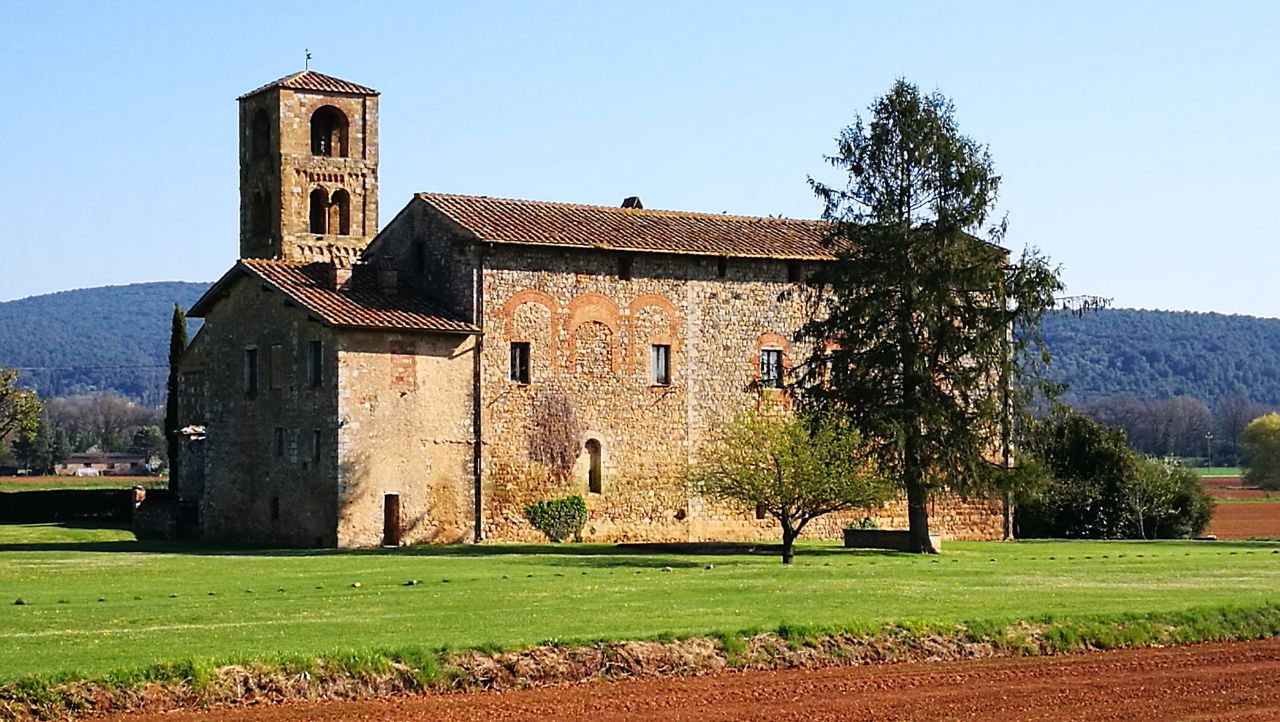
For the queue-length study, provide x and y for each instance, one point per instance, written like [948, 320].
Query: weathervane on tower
[306, 65]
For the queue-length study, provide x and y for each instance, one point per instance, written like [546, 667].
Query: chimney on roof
[339, 274]
[632, 202]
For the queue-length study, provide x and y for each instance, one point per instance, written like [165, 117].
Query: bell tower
[308, 168]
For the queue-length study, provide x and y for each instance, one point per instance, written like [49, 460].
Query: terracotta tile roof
[358, 304]
[503, 220]
[311, 80]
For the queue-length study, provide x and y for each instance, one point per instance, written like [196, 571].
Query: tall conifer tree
[177, 347]
[926, 332]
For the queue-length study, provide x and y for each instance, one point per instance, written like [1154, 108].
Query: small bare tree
[553, 438]
[794, 468]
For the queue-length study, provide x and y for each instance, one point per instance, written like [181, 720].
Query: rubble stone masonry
[405, 428]
[590, 330]
[263, 480]
[298, 464]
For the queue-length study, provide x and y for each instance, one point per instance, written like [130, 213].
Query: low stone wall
[57, 505]
[161, 515]
[891, 539]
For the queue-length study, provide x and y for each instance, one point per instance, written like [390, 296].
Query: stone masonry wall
[264, 479]
[405, 427]
[590, 332]
[428, 252]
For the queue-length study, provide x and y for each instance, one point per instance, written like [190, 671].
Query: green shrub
[1101, 489]
[558, 519]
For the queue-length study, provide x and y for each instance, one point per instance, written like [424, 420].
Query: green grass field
[44, 483]
[1212, 471]
[96, 600]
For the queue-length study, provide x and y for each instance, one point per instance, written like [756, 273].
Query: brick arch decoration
[592, 308]
[508, 311]
[638, 358]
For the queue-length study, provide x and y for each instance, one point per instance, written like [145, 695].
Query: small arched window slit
[595, 480]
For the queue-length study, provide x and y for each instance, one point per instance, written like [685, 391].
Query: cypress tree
[177, 346]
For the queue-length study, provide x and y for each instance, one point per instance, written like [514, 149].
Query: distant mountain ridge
[117, 337]
[111, 337]
[1161, 354]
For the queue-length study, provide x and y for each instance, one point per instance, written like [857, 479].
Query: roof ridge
[277, 261]
[303, 283]
[628, 211]
[320, 82]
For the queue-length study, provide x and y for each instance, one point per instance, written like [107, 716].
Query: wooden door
[391, 520]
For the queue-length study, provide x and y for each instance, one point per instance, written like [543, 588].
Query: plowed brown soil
[1246, 520]
[1237, 681]
[1235, 493]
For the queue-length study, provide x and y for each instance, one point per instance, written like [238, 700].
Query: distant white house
[93, 463]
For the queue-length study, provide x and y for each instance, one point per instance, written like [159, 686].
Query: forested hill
[1160, 354]
[114, 337]
[117, 337]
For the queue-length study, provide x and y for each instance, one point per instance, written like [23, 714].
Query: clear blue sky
[1139, 142]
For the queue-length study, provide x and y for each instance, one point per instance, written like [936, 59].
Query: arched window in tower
[329, 132]
[595, 475]
[259, 136]
[260, 215]
[340, 213]
[319, 207]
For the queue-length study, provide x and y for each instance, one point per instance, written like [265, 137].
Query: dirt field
[1246, 520]
[1237, 681]
[1219, 493]
[1220, 481]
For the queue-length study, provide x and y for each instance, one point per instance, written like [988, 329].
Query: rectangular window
[278, 442]
[660, 365]
[315, 364]
[277, 372]
[251, 370]
[275, 508]
[722, 267]
[520, 362]
[624, 268]
[315, 446]
[771, 367]
[793, 272]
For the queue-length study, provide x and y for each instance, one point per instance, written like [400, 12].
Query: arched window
[260, 215]
[340, 213]
[329, 132]
[319, 201]
[259, 136]
[595, 480]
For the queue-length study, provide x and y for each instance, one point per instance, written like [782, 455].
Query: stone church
[423, 382]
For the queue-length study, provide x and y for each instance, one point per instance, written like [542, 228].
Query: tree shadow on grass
[640, 555]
